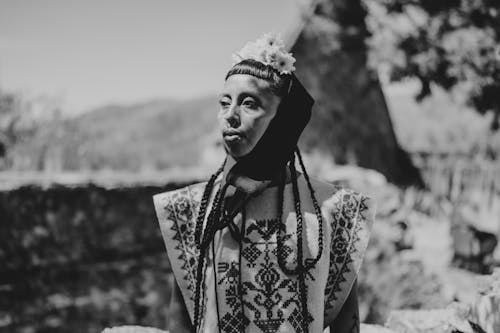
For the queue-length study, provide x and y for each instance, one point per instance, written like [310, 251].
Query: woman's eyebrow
[250, 94]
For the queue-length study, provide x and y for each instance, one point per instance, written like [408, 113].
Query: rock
[486, 312]
[475, 228]
[486, 306]
[449, 320]
[473, 248]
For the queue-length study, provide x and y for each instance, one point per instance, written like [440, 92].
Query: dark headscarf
[276, 146]
[255, 171]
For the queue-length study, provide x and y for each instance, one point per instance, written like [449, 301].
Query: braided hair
[198, 235]
[280, 85]
[302, 267]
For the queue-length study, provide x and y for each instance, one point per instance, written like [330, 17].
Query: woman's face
[247, 106]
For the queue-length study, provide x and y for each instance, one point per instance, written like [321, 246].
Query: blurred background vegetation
[448, 49]
[407, 88]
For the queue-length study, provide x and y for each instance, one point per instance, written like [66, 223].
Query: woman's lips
[232, 135]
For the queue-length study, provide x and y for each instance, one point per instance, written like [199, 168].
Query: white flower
[284, 63]
[269, 50]
[271, 55]
[271, 39]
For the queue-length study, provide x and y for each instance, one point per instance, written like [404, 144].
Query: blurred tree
[450, 43]
[350, 121]
[33, 134]
[15, 124]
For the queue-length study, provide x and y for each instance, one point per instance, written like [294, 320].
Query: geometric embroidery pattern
[233, 322]
[270, 297]
[296, 320]
[346, 222]
[182, 209]
[251, 253]
[269, 290]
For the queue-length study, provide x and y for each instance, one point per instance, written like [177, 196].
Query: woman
[261, 247]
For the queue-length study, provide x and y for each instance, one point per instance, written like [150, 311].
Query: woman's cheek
[221, 116]
[255, 125]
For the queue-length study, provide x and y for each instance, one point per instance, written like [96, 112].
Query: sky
[89, 53]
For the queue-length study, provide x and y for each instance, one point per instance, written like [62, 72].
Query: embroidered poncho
[244, 288]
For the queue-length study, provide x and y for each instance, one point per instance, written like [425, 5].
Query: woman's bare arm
[178, 316]
[347, 321]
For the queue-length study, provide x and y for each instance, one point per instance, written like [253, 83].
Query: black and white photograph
[230, 166]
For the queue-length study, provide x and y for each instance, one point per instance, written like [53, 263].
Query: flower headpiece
[269, 50]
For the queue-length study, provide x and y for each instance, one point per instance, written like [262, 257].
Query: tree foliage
[34, 122]
[16, 122]
[449, 43]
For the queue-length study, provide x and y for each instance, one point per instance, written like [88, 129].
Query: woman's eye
[250, 103]
[224, 103]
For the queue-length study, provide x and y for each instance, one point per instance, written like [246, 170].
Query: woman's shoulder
[180, 203]
[330, 192]
[344, 202]
[323, 190]
[336, 196]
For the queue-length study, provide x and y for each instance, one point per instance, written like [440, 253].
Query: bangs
[279, 83]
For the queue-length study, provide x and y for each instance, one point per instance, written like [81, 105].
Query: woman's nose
[233, 116]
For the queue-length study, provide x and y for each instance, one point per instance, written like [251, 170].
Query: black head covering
[276, 146]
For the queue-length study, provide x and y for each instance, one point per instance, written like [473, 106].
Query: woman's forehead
[240, 83]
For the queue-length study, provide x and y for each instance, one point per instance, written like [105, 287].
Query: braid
[302, 267]
[317, 208]
[212, 218]
[199, 276]
[204, 204]
[300, 253]
[299, 268]
[198, 234]
[298, 212]
[303, 302]
[281, 199]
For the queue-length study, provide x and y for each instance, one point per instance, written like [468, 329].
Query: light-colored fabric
[270, 297]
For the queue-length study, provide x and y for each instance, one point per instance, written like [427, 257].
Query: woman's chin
[236, 149]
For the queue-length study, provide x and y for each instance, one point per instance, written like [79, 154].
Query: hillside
[165, 133]
[156, 134]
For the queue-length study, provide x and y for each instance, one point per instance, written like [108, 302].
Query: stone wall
[84, 257]
[78, 259]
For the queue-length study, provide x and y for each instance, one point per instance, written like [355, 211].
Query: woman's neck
[247, 184]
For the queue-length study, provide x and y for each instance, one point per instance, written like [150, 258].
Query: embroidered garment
[244, 288]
